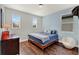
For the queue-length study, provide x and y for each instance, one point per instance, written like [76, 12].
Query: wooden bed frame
[39, 45]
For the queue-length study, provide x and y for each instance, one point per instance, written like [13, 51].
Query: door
[0, 18]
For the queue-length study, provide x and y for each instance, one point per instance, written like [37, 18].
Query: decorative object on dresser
[5, 35]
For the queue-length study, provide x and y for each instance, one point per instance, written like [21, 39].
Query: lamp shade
[75, 11]
[6, 26]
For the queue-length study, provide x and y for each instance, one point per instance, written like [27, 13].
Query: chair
[68, 42]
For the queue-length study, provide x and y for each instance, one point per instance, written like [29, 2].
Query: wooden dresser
[10, 46]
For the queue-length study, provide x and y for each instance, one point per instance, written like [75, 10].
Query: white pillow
[47, 31]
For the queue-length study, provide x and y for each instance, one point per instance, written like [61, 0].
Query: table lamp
[5, 33]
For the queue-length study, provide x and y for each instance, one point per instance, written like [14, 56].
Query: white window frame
[34, 22]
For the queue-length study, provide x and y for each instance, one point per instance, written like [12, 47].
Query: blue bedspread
[51, 38]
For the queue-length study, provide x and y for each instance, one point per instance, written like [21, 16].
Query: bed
[42, 39]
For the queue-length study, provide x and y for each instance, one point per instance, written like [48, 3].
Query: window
[67, 23]
[34, 22]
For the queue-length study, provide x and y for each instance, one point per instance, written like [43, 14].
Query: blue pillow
[53, 32]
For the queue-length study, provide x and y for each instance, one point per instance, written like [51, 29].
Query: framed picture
[16, 21]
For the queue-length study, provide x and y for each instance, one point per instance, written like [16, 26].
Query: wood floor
[27, 48]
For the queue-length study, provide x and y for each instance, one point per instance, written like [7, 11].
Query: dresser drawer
[10, 47]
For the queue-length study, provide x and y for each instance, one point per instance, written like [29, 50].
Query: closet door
[0, 18]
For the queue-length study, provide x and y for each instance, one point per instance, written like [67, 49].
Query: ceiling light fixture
[40, 5]
[75, 11]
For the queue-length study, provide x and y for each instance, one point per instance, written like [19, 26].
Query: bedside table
[10, 46]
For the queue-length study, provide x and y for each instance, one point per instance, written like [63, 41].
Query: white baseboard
[22, 40]
[60, 41]
[77, 46]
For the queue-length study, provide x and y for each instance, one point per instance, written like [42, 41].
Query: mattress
[40, 36]
[43, 38]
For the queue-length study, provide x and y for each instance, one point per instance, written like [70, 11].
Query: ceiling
[40, 11]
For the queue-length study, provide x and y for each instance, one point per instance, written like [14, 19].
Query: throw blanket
[41, 36]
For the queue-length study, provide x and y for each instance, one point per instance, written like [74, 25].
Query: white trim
[22, 40]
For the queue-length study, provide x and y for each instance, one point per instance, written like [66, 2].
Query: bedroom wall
[53, 21]
[26, 23]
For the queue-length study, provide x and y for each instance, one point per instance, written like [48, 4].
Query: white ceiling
[40, 11]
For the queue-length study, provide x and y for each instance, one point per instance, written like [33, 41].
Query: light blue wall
[25, 24]
[53, 21]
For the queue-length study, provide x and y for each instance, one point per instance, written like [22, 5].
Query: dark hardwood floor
[27, 48]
